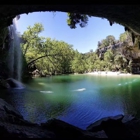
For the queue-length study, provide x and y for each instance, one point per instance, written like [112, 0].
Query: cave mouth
[19, 94]
[57, 22]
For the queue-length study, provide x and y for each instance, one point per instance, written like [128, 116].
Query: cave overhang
[126, 15]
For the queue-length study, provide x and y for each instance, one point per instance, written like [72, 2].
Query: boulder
[112, 126]
[127, 118]
[66, 131]
[9, 114]
[100, 134]
[116, 129]
[4, 84]
[97, 126]
[14, 83]
[8, 130]
[134, 127]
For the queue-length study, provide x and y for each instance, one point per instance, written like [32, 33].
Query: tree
[126, 36]
[75, 18]
[109, 56]
[121, 61]
[99, 44]
[78, 63]
[90, 59]
[109, 59]
[31, 38]
[47, 55]
[51, 56]
[104, 43]
[110, 39]
[97, 64]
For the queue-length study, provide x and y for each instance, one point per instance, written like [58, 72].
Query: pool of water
[77, 99]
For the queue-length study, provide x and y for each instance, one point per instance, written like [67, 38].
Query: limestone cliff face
[129, 49]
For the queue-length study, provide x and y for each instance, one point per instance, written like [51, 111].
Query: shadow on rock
[113, 127]
[13, 125]
[66, 131]
[14, 83]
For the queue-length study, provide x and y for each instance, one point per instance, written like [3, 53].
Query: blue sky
[82, 39]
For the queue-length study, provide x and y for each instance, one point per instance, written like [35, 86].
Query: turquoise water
[77, 99]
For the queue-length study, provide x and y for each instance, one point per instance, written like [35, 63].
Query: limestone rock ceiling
[126, 15]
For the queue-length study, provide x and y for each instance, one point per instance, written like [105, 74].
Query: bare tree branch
[32, 61]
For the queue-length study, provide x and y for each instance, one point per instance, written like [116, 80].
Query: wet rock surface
[14, 83]
[10, 83]
[4, 84]
[13, 125]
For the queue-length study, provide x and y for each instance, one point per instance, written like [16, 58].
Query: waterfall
[14, 59]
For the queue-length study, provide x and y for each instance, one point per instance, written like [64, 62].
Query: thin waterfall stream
[15, 54]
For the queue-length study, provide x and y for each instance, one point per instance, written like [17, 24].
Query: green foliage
[47, 55]
[109, 59]
[91, 59]
[126, 36]
[121, 61]
[32, 39]
[78, 63]
[109, 56]
[51, 56]
[109, 40]
[75, 18]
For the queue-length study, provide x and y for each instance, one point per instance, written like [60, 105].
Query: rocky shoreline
[10, 83]
[13, 125]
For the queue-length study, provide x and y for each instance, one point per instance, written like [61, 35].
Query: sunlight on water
[46, 91]
[82, 89]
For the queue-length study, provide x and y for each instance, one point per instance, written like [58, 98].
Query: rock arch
[126, 15]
